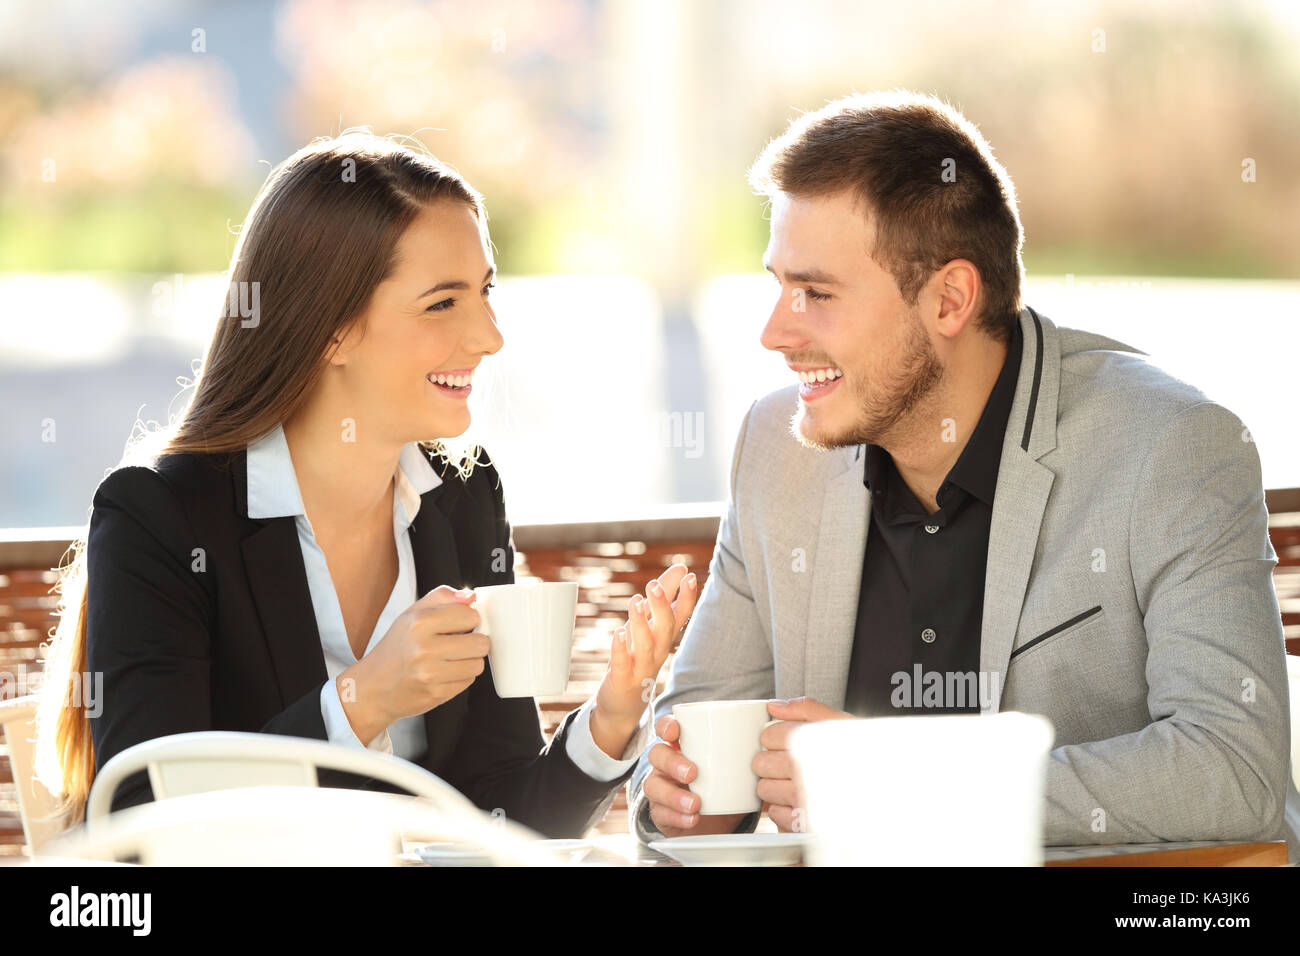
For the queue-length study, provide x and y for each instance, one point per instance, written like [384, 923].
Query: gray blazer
[1128, 507]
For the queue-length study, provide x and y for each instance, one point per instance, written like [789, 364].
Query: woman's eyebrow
[458, 283]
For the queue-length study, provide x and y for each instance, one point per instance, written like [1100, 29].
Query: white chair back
[286, 826]
[183, 764]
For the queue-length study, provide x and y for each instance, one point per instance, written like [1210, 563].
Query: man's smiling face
[841, 321]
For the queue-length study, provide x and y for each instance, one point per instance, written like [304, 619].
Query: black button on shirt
[921, 601]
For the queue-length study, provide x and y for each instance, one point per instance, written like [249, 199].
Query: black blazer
[225, 638]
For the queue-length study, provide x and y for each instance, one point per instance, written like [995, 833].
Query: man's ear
[957, 290]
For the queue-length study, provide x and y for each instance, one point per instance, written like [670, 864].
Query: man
[959, 488]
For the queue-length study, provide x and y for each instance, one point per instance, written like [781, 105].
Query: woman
[287, 558]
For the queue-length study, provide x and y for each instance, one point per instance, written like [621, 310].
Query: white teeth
[451, 381]
[821, 376]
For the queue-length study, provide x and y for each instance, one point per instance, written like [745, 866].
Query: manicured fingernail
[655, 589]
[690, 581]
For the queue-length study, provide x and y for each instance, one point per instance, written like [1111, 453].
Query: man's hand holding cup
[677, 811]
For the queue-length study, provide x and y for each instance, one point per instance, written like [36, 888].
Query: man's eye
[818, 296]
[441, 306]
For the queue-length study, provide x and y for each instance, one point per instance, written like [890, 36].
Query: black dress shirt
[916, 645]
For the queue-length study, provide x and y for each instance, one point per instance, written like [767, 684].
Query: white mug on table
[939, 790]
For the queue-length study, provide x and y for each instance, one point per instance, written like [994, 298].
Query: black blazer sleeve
[501, 761]
[150, 617]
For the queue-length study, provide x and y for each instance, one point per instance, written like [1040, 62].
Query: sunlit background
[1155, 148]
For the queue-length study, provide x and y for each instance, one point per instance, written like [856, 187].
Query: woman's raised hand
[639, 648]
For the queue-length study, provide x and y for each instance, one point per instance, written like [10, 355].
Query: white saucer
[463, 854]
[453, 854]
[575, 850]
[735, 849]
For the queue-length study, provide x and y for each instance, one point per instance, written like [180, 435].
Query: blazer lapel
[1024, 485]
[836, 579]
[277, 578]
[278, 581]
[433, 543]
[433, 546]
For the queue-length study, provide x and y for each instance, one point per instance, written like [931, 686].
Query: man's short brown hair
[926, 176]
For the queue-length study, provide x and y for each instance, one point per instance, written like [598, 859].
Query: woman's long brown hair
[318, 239]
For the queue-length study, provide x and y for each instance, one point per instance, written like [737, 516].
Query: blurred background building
[1155, 148]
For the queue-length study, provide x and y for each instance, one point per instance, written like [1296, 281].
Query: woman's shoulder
[185, 487]
[184, 473]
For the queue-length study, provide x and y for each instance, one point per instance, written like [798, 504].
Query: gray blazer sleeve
[1212, 764]
[725, 654]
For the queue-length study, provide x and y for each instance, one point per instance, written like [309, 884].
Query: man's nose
[783, 330]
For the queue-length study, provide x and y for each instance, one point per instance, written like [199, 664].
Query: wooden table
[624, 849]
[615, 845]
[1226, 853]
[1270, 853]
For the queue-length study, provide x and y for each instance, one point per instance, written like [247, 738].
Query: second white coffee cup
[529, 627]
[721, 737]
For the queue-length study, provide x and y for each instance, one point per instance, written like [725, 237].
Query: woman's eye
[490, 285]
[441, 306]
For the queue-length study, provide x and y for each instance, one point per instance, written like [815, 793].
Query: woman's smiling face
[429, 320]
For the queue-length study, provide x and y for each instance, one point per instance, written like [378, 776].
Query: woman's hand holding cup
[430, 654]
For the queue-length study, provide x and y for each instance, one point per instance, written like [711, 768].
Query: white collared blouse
[273, 492]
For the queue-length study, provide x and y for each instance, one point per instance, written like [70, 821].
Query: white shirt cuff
[337, 728]
[590, 759]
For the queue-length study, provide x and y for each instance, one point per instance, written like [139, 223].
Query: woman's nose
[487, 337]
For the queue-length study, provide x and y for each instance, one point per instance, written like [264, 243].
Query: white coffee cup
[529, 626]
[721, 737]
[933, 790]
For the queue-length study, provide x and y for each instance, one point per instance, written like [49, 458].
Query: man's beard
[919, 373]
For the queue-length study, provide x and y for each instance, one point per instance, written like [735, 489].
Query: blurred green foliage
[1126, 160]
[176, 228]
